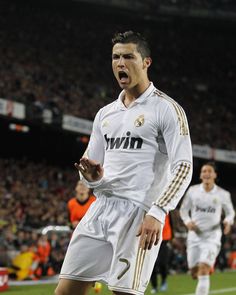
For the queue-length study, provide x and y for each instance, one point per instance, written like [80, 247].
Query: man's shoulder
[222, 191]
[165, 98]
[71, 202]
[167, 105]
[194, 188]
[107, 107]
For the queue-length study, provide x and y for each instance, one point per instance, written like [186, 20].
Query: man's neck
[208, 186]
[132, 94]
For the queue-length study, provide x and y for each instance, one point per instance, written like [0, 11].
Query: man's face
[208, 174]
[82, 191]
[128, 65]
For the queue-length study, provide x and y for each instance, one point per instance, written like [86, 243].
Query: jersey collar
[140, 99]
[211, 191]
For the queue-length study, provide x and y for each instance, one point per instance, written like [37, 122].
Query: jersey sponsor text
[125, 142]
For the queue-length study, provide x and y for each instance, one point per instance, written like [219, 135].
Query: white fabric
[205, 209]
[203, 285]
[104, 244]
[145, 150]
[202, 253]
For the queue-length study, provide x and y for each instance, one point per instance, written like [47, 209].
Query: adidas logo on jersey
[125, 142]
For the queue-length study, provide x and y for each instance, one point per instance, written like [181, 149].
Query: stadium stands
[48, 59]
[33, 195]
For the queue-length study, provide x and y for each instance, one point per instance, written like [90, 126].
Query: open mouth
[122, 76]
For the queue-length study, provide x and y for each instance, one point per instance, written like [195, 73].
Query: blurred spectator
[24, 264]
[43, 252]
[79, 205]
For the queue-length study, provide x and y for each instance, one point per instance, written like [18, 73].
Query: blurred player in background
[201, 212]
[139, 163]
[79, 205]
[162, 263]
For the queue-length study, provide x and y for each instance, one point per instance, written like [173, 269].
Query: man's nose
[121, 62]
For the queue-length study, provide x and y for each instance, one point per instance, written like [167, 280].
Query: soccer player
[79, 205]
[139, 163]
[201, 212]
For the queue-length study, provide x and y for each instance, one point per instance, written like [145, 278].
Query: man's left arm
[229, 213]
[178, 144]
[179, 149]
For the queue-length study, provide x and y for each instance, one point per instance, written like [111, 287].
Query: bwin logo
[123, 142]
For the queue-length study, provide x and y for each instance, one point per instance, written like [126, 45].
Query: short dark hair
[135, 38]
[212, 164]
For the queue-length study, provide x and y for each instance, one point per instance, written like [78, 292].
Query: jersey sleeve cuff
[93, 184]
[229, 220]
[158, 213]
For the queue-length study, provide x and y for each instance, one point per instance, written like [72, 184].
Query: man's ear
[147, 62]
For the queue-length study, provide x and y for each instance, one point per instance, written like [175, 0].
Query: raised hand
[91, 170]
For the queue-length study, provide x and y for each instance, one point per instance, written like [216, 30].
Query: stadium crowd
[58, 59]
[33, 195]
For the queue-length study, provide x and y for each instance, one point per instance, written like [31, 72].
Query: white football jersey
[145, 150]
[205, 210]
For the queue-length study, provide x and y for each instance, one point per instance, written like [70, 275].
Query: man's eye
[128, 56]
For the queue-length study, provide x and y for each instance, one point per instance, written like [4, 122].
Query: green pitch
[221, 284]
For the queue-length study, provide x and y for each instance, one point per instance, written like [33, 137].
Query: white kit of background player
[205, 210]
[201, 212]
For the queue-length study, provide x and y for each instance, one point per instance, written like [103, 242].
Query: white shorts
[104, 247]
[202, 253]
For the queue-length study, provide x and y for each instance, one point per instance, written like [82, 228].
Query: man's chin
[208, 182]
[124, 86]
